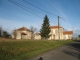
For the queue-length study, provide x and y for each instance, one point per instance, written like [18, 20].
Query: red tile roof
[23, 29]
[52, 27]
[67, 32]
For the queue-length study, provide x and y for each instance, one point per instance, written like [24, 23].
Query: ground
[67, 52]
[25, 49]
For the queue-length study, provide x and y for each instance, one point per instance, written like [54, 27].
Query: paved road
[67, 52]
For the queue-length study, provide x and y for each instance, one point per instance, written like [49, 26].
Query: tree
[14, 34]
[5, 34]
[45, 29]
[79, 36]
[32, 29]
[0, 31]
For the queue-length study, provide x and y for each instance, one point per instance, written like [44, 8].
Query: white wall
[19, 36]
[54, 33]
[67, 36]
[37, 36]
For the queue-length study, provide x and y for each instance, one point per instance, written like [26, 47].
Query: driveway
[67, 52]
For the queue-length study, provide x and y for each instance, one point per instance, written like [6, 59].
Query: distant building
[54, 34]
[22, 33]
[67, 35]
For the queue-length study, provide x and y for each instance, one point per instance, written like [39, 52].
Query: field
[24, 49]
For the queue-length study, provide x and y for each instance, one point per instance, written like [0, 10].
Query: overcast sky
[18, 13]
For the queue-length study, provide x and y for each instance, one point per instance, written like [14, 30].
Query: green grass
[24, 49]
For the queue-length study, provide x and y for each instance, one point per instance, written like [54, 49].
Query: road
[67, 52]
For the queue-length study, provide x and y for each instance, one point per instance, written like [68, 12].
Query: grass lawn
[24, 49]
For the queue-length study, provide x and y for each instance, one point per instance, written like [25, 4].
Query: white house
[55, 33]
[67, 35]
[24, 33]
[21, 33]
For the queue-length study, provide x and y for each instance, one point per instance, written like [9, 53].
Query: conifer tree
[45, 28]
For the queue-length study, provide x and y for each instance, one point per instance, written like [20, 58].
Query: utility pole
[58, 29]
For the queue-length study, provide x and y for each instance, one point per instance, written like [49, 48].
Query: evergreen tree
[45, 29]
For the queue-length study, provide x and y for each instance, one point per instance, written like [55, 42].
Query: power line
[23, 7]
[39, 8]
[45, 11]
[69, 22]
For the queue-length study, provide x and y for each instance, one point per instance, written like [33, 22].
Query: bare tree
[33, 30]
[14, 34]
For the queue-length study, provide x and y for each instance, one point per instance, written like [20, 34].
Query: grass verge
[24, 49]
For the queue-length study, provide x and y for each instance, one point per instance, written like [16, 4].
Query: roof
[52, 27]
[67, 32]
[23, 29]
[23, 33]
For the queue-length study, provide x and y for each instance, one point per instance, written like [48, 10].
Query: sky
[18, 13]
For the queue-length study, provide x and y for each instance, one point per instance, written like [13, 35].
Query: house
[56, 33]
[22, 33]
[67, 35]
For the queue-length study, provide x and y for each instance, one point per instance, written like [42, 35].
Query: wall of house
[23, 36]
[20, 36]
[54, 34]
[70, 36]
[67, 36]
[27, 36]
[37, 36]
